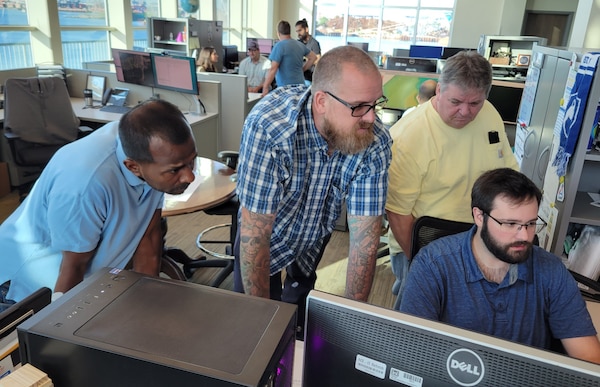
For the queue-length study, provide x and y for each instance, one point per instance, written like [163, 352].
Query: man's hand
[72, 269]
[401, 226]
[148, 255]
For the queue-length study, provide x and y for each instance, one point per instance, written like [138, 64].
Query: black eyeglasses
[516, 227]
[363, 108]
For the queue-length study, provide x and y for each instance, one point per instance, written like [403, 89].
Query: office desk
[213, 185]
[205, 127]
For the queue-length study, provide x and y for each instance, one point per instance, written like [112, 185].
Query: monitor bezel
[116, 53]
[192, 66]
[344, 339]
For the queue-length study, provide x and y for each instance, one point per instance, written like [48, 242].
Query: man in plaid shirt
[304, 152]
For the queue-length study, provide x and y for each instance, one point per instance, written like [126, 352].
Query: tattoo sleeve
[255, 239]
[365, 232]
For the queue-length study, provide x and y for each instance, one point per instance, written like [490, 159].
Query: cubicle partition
[234, 104]
[206, 128]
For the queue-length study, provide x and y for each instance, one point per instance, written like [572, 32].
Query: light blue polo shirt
[537, 301]
[85, 200]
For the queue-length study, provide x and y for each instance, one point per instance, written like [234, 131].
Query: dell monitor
[133, 67]
[350, 343]
[176, 73]
[431, 52]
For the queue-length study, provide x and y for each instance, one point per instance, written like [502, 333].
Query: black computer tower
[120, 328]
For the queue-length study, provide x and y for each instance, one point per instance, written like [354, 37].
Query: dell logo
[465, 367]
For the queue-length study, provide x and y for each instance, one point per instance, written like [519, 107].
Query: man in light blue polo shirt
[98, 203]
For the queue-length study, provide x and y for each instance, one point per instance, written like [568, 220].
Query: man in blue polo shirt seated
[98, 204]
[492, 279]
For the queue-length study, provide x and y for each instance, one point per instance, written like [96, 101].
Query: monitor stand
[199, 110]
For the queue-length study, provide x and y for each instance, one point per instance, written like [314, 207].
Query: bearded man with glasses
[304, 152]
[493, 280]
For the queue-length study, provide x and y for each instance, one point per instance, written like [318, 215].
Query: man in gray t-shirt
[310, 42]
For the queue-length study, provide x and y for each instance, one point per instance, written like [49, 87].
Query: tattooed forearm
[255, 238]
[364, 240]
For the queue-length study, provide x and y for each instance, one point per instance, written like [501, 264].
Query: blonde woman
[207, 59]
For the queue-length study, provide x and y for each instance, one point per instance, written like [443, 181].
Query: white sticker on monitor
[370, 366]
[405, 378]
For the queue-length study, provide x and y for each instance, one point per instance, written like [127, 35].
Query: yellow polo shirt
[434, 165]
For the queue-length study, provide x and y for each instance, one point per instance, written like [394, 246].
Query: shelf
[170, 42]
[593, 155]
[510, 67]
[583, 212]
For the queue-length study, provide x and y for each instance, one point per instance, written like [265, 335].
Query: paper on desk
[188, 192]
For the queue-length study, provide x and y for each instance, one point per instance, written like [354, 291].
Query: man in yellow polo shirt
[439, 151]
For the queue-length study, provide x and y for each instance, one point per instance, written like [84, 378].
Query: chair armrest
[228, 153]
[10, 135]
[230, 158]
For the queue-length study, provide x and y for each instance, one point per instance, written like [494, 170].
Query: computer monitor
[9, 320]
[230, 57]
[264, 45]
[22, 310]
[177, 73]
[431, 52]
[401, 91]
[350, 343]
[401, 52]
[447, 52]
[506, 100]
[133, 67]
[362, 45]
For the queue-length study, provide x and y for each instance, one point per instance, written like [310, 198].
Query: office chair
[219, 260]
[426, 229]
[38, 120]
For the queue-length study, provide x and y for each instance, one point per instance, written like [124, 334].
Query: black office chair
[38, 120]
[425, 230]
[218, 260]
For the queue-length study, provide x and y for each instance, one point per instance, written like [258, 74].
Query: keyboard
[115, 109]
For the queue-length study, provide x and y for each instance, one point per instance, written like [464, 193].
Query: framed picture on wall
[97, 84]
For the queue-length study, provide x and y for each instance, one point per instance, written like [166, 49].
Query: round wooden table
[216, 186]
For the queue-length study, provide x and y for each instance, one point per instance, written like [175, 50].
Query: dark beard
[502, 252]
[348, 144]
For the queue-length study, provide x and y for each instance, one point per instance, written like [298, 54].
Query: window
[140, 11]
[383, 24]
[85, 29]
[15, 37]
[83, 32]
